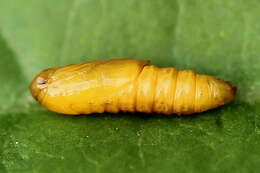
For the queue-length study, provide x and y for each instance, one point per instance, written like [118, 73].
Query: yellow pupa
[128, 85]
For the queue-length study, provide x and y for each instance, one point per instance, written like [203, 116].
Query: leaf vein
[68, 27]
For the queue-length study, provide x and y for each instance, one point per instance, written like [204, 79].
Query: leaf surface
[217, 37]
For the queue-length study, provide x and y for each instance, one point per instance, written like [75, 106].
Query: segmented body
[128, 85]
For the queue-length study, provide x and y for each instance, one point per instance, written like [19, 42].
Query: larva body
[129, 85]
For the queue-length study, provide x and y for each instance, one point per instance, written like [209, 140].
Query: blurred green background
[216, 37]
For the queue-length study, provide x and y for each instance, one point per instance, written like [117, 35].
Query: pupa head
[39, 85]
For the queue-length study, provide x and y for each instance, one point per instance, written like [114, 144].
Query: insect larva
[128, 85]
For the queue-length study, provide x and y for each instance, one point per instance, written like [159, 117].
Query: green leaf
[216, 37]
